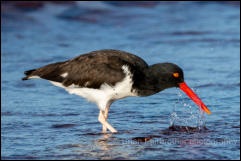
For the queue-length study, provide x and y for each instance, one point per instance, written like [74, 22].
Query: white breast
[106, 94]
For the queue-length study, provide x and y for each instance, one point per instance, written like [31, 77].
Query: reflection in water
[187, 128]
[142, 139]
[103, 141]
[109, 148]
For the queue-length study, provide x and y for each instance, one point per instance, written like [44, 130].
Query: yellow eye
[176, 75]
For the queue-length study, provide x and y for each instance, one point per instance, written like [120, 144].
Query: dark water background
[41, 121]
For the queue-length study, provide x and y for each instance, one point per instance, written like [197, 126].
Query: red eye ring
[176, 75]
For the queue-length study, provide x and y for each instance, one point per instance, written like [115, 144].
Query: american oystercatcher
[104, 76]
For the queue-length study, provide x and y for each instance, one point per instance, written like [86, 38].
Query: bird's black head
[173, 72]
[167, 74]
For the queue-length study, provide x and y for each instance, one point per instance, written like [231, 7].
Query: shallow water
[40, 121]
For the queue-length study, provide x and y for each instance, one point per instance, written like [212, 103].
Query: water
[41, 121]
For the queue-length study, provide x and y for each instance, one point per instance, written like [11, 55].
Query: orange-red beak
[183, 86]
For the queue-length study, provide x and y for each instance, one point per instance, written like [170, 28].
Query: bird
[106, 75]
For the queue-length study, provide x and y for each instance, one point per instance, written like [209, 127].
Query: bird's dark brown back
[93, 69]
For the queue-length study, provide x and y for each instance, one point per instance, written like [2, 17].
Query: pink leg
[103, 121]
[104, 128]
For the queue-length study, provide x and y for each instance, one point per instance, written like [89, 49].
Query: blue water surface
[41, 121]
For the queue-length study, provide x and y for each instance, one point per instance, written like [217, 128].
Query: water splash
[186, 114]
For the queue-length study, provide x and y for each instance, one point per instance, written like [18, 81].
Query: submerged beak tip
[206, 109]
[183, 86]
[208, 112]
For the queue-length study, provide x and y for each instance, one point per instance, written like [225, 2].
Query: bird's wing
[50, 72]
[91, 70]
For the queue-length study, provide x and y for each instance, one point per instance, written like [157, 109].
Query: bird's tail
[28, 73]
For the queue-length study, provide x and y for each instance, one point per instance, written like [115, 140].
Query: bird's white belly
[106, 94]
